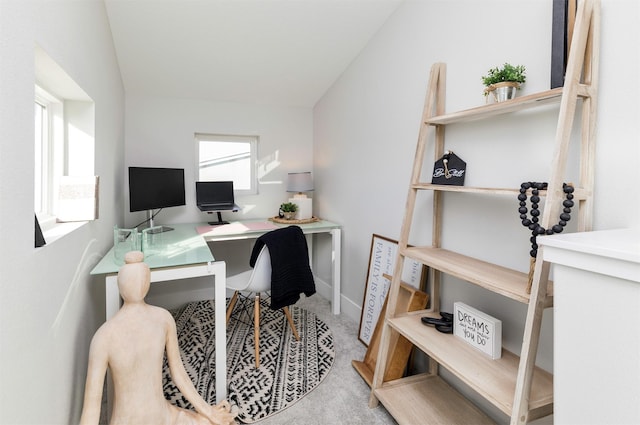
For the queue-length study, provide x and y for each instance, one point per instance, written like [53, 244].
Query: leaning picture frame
[382, 259]
[563, 22]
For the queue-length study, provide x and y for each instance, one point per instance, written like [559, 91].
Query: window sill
[58, 230]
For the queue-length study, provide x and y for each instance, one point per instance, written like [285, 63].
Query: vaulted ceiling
[280, 52]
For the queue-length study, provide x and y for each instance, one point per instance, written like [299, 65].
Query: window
[64, 119]
[224, 157]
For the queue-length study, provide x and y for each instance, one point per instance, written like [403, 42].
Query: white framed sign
[382, 260]
[478, 329]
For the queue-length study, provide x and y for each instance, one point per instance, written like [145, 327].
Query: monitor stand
[160, 229]
[219, 222]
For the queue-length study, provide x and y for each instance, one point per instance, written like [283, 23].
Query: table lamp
[299, 183]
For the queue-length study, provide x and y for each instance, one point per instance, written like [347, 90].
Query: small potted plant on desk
[288, 210]
[502, 82]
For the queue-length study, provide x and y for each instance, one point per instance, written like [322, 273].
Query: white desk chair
[256, 280]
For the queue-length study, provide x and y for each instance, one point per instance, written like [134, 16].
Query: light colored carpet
[343, 396]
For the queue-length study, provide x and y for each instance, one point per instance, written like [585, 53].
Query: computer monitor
[216, 196]
[152, 188]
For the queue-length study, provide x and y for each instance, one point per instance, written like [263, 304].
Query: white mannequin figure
[132, 345]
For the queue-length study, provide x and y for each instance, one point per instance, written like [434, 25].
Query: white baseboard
[347, 307]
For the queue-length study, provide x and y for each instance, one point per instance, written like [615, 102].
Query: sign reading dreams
[478, 329]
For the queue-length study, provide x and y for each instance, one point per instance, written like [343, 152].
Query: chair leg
[290, 320]
[256, 328]
[232, 303]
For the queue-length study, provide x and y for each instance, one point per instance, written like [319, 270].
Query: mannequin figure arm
[220, 414]
[96, 370]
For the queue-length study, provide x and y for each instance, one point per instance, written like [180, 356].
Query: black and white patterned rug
[289, 369]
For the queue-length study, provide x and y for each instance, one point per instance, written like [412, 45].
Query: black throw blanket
[290, 271]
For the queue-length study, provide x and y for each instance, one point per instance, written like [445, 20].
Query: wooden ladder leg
[290, 320]
[256, 328]
[232, 304]
[434, 98]
[436, 277]
[587, 21]
[531, 337]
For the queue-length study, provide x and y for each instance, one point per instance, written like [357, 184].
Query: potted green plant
[288, 210]
[503, 81]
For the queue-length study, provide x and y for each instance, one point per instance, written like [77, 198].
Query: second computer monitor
[215, 197]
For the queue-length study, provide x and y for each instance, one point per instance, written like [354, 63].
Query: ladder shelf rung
[494, 380]
[468, 189]
[501, 280]
[519, 103]
[405, 400]
[579, 193]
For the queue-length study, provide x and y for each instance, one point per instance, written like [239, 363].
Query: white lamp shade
[299, 182]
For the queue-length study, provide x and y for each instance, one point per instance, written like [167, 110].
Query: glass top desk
[179, 254]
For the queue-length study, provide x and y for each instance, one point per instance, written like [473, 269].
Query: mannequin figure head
[134, 278]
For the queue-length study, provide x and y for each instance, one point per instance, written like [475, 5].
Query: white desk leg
[336, 256]
[112, 296]
[219, 271]
[309, 238]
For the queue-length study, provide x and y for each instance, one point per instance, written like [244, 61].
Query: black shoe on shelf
[447, 316]
[435, 321]
[443, 324]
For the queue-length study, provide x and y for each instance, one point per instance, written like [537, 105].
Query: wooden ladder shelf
[512, 383]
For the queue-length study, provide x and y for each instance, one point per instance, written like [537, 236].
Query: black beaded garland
[532, 223]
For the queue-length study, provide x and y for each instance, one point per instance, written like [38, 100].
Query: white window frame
[253, 157]
[51, 158]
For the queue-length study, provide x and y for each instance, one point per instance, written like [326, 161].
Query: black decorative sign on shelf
[449, 169]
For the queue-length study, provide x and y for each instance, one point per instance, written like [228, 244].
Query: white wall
[49, 305]
[160, 132]
[366, 127]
